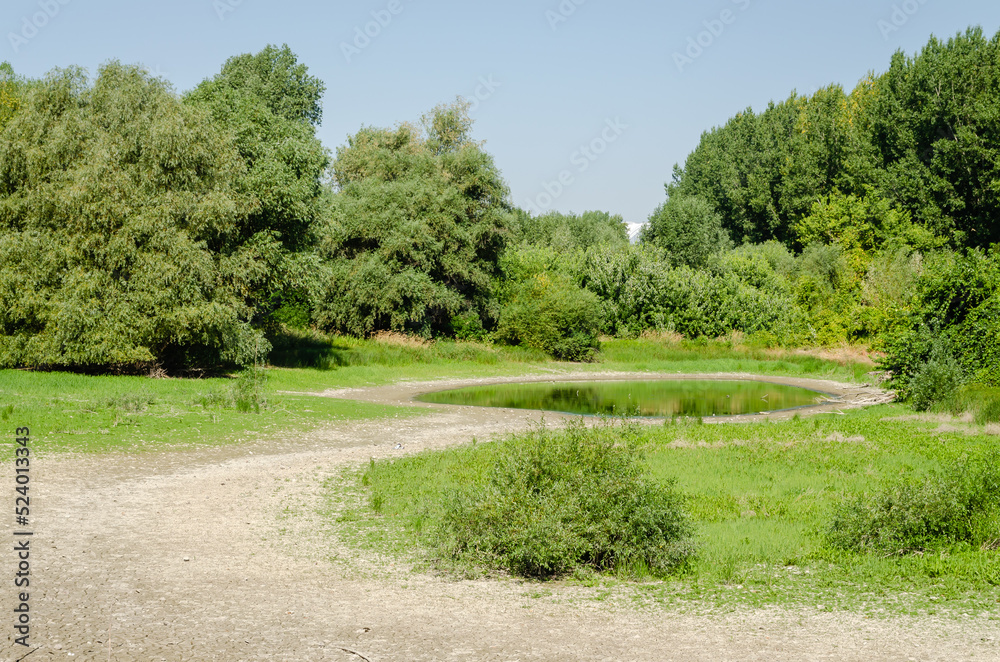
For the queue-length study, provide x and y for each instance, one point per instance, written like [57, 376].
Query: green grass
[762, 495]
[983, 402]
[81, 413]
[72, 412]
[720, 356]
[314, 361]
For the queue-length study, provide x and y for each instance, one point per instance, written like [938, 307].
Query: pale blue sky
[606, 77]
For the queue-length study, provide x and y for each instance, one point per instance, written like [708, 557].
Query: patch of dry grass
[401, 339]
[666, 337]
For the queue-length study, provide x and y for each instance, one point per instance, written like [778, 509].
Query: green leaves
[413, 238]
[271, 106]
[689, 229]
[114, 193]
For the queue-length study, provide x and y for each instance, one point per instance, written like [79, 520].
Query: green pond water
[635, 398]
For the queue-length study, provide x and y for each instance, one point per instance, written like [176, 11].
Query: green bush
[468, 326]
[639, 290]
[551, 313]
[961, 505]
[935, 381]
[550, 503]
[957, 301]
[689, 229]
[247, 393]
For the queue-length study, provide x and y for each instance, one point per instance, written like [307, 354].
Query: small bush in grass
[551, 503]
[961, 505]
[551, 313]
[935, 381]
[246, 394]
[249, 390]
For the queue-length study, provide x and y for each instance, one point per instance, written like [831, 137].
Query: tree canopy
[414, 236]
[922, 136]
[121, 225]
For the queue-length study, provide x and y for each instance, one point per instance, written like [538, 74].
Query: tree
[688, 228]
[935, 131]
[12, 91]
[272, 106]
[862, 227]
[569, 232]
[122, 237]
[414, 235]
[922, 134]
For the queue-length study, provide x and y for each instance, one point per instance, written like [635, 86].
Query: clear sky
[595, 92]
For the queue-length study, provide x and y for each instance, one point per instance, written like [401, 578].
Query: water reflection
[635, 398]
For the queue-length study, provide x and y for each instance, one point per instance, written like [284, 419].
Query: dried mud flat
[190, 555]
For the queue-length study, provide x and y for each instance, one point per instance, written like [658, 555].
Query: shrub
[689, 228]
[550, 503]
[247, 393]
[961, 505]
[468, 326]
[935, 380]
[551, 313]
[957, 299]
[640, 291]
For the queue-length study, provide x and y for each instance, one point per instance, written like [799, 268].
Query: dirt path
[187, 556]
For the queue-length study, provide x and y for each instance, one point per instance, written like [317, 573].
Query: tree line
[139, 226]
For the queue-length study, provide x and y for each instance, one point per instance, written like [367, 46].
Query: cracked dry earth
[187, 555]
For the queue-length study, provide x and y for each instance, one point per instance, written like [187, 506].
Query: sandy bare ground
[191, 555]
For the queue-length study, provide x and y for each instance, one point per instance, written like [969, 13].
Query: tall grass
[983, 402]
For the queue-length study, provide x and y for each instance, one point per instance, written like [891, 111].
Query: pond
[650, 398]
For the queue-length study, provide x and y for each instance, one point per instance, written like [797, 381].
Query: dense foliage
[121, 225]
[414, 236]
[688, 228]
[549, 503]
[960, 505]
[920, 136]
[138, 226]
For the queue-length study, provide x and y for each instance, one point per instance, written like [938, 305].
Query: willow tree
[12, 91]
[122, 229]
[272, 106]
[415, 233]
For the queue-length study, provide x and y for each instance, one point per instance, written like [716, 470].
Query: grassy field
[82, 413]
[762, 496]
